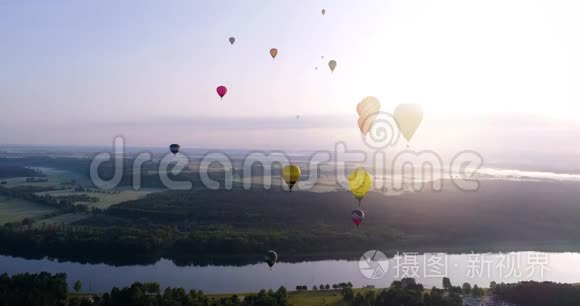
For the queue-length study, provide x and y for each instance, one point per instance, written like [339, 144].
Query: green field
[21, 181]
[105, 199]
[316, 298]
[13, 210]
[55, 177]
[307, 298]
[295, 298]
[60, 219]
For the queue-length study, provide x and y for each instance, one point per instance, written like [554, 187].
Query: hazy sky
[81, 72]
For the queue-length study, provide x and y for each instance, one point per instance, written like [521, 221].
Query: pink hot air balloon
[221, 91]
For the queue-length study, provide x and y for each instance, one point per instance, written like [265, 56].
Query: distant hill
[18, 171]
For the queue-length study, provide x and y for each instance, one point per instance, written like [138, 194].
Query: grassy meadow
[14, 210]
[104, 199]
[307, 298]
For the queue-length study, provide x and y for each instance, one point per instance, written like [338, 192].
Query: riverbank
[216, 279]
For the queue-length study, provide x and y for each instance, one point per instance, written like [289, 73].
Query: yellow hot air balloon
[368, 109]
[408, 117]
[332, 65]
[273, 52]
[291, 175]
[360, 182]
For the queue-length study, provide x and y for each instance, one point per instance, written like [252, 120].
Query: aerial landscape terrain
[289, 153]
[51, 209]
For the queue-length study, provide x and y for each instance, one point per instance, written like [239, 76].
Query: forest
[201, 226]
[46, 289]
[190, 226]
[538, 293]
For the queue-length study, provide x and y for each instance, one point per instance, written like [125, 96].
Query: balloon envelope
[273, 52]
[408, 118]
[271, 257]
[323, 11]
[232, 40]
[291, 175]
[360, 182]
[174, 148]
[332, 65]
[358, 216]
[368, 109]
[221, 91]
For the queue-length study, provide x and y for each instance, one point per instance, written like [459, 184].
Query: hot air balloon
[273, 52]
[332, 65]
[360, 182]
[291, 175]
[271, 257]
[221, 91]
[232, 40]
[358, 216]
[368, 109]
[174, 148]
[408, 118]
[323, 12]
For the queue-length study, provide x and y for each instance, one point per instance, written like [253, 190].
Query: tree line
[538, 293]
[325, 287]
[45, 289]
[403, 292]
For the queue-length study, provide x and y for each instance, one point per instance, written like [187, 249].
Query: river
[428, 269]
